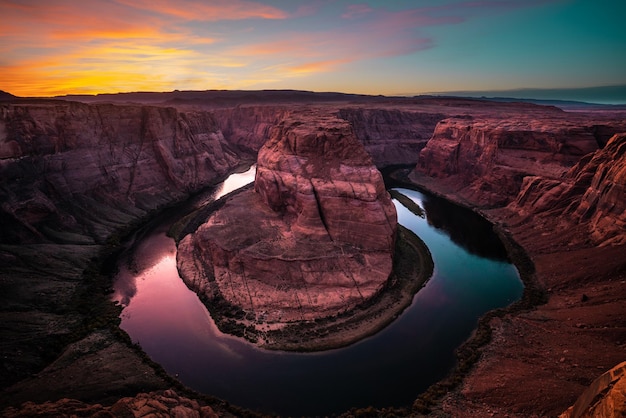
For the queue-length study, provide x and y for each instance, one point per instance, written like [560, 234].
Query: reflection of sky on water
[160, 312]
[236, 181]
[390, 368]
[464, 275]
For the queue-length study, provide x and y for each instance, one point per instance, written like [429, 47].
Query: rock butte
[313, 239]
[74, 176]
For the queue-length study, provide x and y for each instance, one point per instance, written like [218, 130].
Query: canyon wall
[392, 136]
[593, 191]
[75, 173]
[72, 176]
[486, 159]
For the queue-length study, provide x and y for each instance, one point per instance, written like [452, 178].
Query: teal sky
[372, 47]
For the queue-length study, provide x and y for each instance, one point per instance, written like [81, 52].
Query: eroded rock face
[76, 172]
[605, 397]
[392, 136]
[486, 159]
[314, 238]
[592, 191]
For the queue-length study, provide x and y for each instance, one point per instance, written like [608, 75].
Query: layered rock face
[314, 238]
[486, 159]
[76, 172]
[392, 136]
[72, 176]
[593, 191]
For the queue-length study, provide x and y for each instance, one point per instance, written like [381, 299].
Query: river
[472, 276]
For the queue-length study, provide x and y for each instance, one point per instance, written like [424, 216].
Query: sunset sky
[57, 47]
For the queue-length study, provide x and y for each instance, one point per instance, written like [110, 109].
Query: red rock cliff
[314, 239]
[592, 192]
[83, 169]
[484, 160]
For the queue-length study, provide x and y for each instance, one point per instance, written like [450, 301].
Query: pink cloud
[310, 8]
[356, 10]
[208, 10]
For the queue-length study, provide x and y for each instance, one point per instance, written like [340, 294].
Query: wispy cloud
[63, 46]
[356, 10]
[208, 10]
[54, 47]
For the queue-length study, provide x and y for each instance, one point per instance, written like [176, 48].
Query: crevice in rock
[320, 211]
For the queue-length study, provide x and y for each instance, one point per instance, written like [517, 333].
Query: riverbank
[534, 358]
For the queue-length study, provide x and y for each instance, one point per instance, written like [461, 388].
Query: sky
[401, 47]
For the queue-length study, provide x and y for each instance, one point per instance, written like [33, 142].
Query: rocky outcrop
[314, 239]
[249, 126]
[485, 160]
[163, 403]
[605, 397]
[592, 192]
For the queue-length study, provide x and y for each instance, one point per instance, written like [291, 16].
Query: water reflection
[465, 228]
[235, 182]
[388, 369]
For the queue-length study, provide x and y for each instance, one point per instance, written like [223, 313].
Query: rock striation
[604, 398]
[392, 136]
[592, 192]
[486, 159]
[314, 239]
[76, 172]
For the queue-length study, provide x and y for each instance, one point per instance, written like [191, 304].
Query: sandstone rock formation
[485, 159]
[75, 172]
[392, 136]
[593, 191]
[72, 176]
[605, 397]
[315, 238]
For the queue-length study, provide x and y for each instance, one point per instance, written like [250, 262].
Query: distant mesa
[6, 96]
[314, 239]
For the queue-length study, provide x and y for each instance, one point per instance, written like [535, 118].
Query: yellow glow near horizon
[107, 46]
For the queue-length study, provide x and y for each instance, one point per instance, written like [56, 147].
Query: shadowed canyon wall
[75, 173]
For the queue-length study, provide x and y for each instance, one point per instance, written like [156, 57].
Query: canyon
[80, 174]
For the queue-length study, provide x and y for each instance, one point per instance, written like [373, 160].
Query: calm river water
[471, 277]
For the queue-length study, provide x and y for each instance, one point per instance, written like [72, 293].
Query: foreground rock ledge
[314, 239]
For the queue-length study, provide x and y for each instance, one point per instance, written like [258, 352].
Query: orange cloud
[59, 47]
[315, 66]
